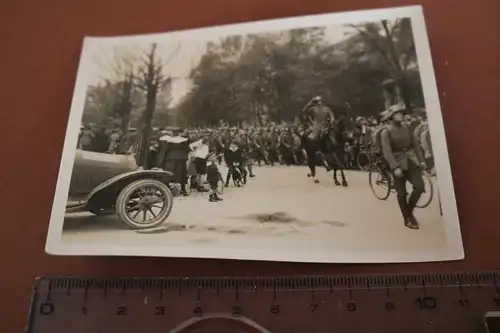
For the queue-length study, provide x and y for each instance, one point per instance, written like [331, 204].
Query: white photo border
[451, 250]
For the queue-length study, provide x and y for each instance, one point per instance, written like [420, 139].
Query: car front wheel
[145, 203]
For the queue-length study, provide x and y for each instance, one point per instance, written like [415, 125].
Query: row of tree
[255, 78]
[271, 76]
[135, 93]
[139, 96]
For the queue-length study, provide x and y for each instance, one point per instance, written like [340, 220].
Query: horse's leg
[344, 180]
[336, 166]
[325, 154]
[341, 164]
[311, 161]
[325, 162]
[322, 159]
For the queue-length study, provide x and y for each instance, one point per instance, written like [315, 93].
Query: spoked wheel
[237, 177]
[363, 160]
[426, 198]
[380, 184]
[244, 177]
[144, 204]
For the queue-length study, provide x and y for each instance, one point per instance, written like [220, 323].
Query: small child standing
[213, 177]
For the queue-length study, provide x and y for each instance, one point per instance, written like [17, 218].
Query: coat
[320, 117]
[399, 146]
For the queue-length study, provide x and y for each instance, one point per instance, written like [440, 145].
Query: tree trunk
[401, 80]
[147, 126]
[125, 122]
[405, 93]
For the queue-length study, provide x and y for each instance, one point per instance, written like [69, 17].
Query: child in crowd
[213, 177]
[235, 161]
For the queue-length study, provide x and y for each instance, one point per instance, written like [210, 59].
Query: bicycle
[380, 176]
[238, 174]
[364, 160]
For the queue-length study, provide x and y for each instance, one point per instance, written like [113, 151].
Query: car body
[104, 184]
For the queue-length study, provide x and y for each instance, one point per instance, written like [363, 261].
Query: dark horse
[329, 149]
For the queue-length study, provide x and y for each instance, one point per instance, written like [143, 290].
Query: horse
[329, 147]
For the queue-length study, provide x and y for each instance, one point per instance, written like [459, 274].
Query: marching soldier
[273, 145]
[260, 151]
[245, 145]
[286, 146]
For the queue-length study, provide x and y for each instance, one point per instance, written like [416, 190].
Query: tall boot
[403, 206]
[228, 178]
[412, 203]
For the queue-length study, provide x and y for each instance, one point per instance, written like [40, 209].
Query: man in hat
[173, 156]
[86, 138]
[402, 153]
[318, 116]
[114, 141]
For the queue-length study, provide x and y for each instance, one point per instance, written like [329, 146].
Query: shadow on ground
[92, 223]
[270, 221]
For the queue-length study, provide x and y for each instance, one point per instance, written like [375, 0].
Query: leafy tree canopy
[243, 78]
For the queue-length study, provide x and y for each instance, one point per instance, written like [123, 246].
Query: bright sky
[187, 56]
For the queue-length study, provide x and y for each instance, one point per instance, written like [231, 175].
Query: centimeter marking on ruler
[273, 284]
[421, 287]
[279, 282]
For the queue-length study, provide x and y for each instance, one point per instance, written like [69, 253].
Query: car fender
[105, 194]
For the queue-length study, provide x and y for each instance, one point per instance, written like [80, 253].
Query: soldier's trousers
[414, 176]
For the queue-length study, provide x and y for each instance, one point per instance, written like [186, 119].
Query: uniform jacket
[399, 146]
[286, 140]
[321, 116]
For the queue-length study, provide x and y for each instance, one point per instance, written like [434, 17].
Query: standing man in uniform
[402, 153]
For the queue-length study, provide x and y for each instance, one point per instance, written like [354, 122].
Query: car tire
[124, 198]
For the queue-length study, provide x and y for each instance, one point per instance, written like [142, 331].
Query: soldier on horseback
[318, 117]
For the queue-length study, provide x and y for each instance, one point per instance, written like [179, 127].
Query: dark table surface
[40, 48]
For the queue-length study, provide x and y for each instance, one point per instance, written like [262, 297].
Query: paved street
[280, 208]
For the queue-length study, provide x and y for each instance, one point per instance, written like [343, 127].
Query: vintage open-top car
[113, 184]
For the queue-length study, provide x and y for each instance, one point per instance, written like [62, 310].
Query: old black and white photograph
[308, 139]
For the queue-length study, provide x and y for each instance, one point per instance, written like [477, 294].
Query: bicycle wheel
[426, 198]
[379, 184]
[363, 161]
